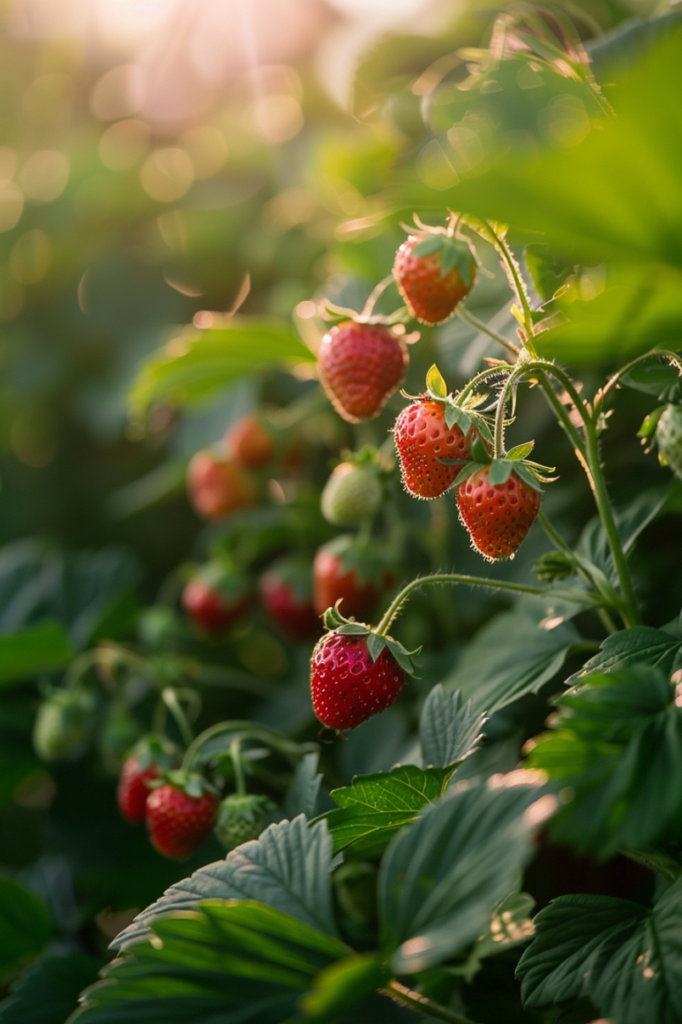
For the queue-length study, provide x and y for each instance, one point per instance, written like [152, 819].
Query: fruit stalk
[451, 577]
[246, 729]
[235, 754]
[473, 321]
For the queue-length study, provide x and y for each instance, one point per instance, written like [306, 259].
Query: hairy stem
[451, 577]
[235, 754]
[473, 321]
[419, 1002]
[245, 729]
[170, 699]
[673, 357]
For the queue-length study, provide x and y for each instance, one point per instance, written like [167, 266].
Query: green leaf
[626, 958]
[640, 645]
[547, 270]
[441, 879]
[449, 730]
[227, 960]
[32, 651]
[287, 868]
[479, 452]
[618, 745]
[435, 382]
[374, 807]
[342, 984]
[521, 451]
[375, 645]
[191, 370]
[511, 656]
[403, 657]
[303, 794]
[25, 926]
[453, 414]
[47, 992]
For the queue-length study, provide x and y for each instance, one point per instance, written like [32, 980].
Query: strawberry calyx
[192, 783]
[460, 412]
[225, 578]
[455, 252]
[501, 468]
[335, 622]
[248, 807]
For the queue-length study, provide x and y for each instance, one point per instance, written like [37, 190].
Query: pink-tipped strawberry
[434, 272]
[355, 673]
[249, 442]
[287, 595]
[181, 813]
[216, 597]
[361, 365]
[351, 572]
[149, 758]
[433, 437]
[218, 486]
[498, 501]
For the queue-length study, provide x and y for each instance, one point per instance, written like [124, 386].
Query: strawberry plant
[370, 706]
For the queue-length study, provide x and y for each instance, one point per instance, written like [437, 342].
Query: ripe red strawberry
[216, 597]
[422, 438]
[286, 592]
[145, 764]
[217, 486]
[434, 273]
[347, 571]
[180, 814]
[361, 366]
[347, 685]
[498, 515]
[249, 442]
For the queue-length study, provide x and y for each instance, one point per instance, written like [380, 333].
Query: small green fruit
[669, 438]
[242, 818]
[119, 732]
[352, 494]
[63, 725]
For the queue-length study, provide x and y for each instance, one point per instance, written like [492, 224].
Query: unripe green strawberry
[351, 495]
[669, 438]
[242, 818]
[64, 725]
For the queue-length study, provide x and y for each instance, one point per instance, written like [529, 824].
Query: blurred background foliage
[163, 165]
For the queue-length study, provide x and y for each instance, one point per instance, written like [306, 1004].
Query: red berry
[286, 592]
[361, 366]
[217, 486]
[347, 686]
[497, 516]
[210, 605]
[132, 792]
[249, 442]
[178, 823]
[430, 295]
[422, 437]
[334, 580]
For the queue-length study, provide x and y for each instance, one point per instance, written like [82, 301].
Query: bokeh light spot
[118, 93]
[124, 144]
[167, 174]
[207, 149]
[11, 207]
[44, 175]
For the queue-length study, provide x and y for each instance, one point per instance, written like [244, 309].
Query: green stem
[500, 412]
[235, 754]
[630, 612]
[248, 730]
[473, 321]
[479, 378]
[419, 1002]
[562, 414]
[592, 465]
[674, 358]
[561, 545]
[451, 577]
[516, 282]
[170, 699]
